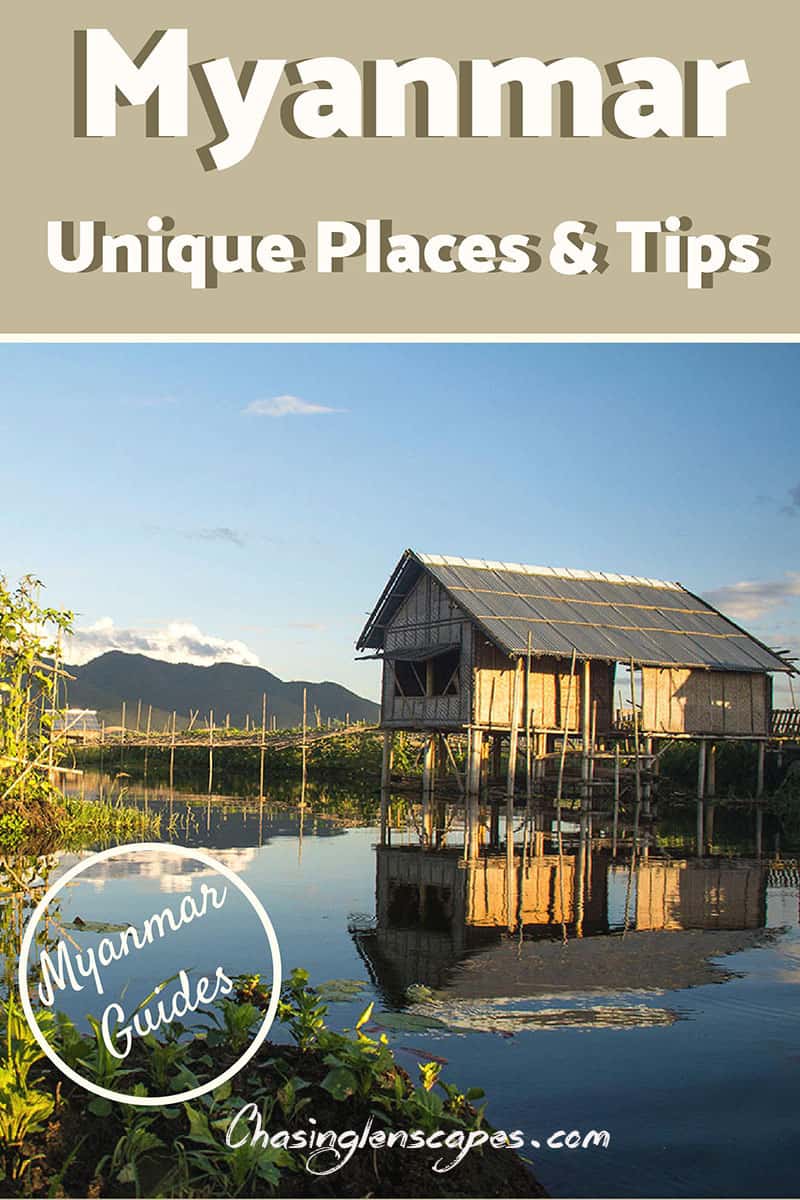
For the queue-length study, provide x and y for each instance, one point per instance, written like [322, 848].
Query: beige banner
[743, 183]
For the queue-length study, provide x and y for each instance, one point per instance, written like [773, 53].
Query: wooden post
[528, 763]
[711, 770]
[701, 786]
[637, 766]
[386, 758]
[615, 827]
[709, 824]
[647, 790]
[513, 745]
[122, 739]
[559, 795]
[473, 787]
[263, 746]
[172, 754]
[147, 738]
[586, 688]
[210, 751]
[384, 815]
[428, 774]
[510, 788]
[474, 765]
[495, 756]
[759, 793]
[305, 747]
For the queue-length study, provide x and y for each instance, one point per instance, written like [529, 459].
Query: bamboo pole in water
[305, 748]
[172, 754]
[637, 810]
[510, 787]
[210, 751]
[263, 745]
[147, 738]
[559, 793]
[615, 827]
[122, 739]
[701, 790]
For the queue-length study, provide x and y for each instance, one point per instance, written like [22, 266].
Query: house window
[435, 676]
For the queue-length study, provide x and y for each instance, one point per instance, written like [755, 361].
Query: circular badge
[71, 966]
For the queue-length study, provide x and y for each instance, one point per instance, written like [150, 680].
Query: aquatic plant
[342, 1078]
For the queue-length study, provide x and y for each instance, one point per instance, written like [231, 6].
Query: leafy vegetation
[32, 744]
[35, 816]
[342, 1080]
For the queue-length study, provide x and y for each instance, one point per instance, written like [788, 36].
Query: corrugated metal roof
[599, 615]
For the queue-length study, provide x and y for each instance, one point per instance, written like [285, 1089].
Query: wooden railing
[786, 722]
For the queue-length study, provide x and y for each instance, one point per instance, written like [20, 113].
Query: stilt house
[489, 646]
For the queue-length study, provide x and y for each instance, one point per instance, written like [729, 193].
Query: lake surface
[697, 1085]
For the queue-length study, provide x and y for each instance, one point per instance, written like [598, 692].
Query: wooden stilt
[495, 756]
[615, 826]
[528, 715]
[701, 785]
[475, 752]
[386, 758]
[510, 787]
[711, 770]
[472, 800]
[559, 796]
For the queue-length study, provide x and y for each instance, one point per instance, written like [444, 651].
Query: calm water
[697, 1085]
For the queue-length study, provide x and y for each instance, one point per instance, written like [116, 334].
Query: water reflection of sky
[130, 890]
[705, 1104]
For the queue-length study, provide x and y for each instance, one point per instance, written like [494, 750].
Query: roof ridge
[483, 564]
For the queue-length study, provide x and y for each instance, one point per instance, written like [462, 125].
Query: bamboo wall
[548, 691]
[676, 700]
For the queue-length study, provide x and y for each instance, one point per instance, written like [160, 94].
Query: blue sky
[181, 497]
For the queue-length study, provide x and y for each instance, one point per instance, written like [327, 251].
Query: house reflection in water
[434, 908]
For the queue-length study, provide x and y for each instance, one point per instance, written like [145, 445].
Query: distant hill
[106, 681]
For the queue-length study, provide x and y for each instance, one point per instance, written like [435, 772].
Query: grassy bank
[68, 823]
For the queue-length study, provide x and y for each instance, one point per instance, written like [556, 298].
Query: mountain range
[227, 689]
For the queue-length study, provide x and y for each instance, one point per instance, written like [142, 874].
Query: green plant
[32, 741]
[24, 1109]
[232, 1028]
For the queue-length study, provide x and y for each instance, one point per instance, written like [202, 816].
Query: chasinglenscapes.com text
[329, 1150]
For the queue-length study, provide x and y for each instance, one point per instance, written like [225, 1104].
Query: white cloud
[177, 642]
[287, 406]
[751, 598]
